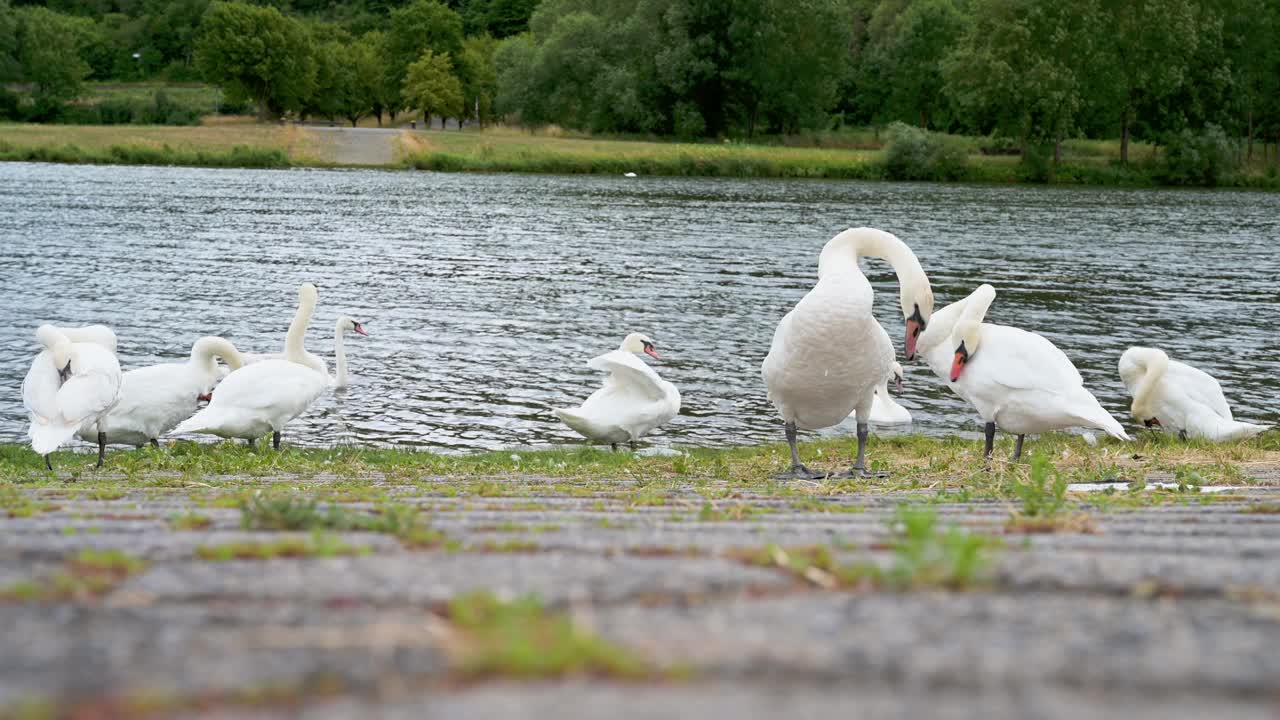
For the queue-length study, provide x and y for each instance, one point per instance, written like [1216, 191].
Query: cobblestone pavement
[1160, 610]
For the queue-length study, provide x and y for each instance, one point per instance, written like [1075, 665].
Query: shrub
[1203, 158]
[916, 154]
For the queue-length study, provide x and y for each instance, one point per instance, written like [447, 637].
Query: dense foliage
[1031, 71]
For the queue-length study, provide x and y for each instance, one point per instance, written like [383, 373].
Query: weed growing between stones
[263, 511]
[88, 575]
[1043, 495]
[320, 545]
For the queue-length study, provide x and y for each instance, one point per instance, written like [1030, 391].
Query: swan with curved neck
[154, 399]
[1176, 396]
[633, 401]
[69, 384]
[829, 354]
[1016, 380]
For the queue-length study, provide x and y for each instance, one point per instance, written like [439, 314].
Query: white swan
[100, 335]
[296, 336]
[154, 399]
[1176, 396]
[884, 409]
[266, 395]
[1016, 380]
[69, 384]
[829, 353]
[633, 400]
[344, 324]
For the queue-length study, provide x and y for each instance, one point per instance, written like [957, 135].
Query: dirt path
[360, 147]
[1166, 611]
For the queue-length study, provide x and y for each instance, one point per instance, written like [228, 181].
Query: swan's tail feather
[1223, 430]
[47, 437]
[200, 422]
[579, 424]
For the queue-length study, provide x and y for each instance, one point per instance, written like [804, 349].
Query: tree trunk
[1124, 137]
[354, 121]
[924, 119]
[1249, 154]
[1057, 150]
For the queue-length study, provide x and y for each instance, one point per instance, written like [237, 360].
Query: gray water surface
[486, 294]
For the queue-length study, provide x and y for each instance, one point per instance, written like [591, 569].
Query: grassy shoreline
[914, 461]
[1086, 163]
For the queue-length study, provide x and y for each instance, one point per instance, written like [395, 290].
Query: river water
[486, 294]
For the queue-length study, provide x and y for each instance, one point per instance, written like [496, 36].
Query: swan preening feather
[1176, 396]
[154, 399]
[1018, 381]
[829, 353]
[632, 401]
[70, 383]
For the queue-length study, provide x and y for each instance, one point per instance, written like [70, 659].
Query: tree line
[1031, 71]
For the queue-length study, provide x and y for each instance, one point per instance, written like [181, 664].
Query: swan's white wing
[1198, 385]
[1026, 361]
[40, 387]
[628, 374]
[94, 385]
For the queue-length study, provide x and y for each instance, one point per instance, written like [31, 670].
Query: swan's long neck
[295, 341]
[1156, 363]
[204, 350]
[340, 352]
[841, 254]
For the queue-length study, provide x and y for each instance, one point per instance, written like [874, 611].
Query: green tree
[478, 77]
[256, 53]
[1145, 48]
[430, 86]
[10, 68]
[904, 57]
[371, 59]
[49, 46]
[420, 26]
[1023, 66]
[334, 80]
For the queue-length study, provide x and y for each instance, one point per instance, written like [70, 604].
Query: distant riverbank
[504, 150]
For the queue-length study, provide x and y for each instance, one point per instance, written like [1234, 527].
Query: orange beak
[913, 330]
[652, 353]
[957, 365]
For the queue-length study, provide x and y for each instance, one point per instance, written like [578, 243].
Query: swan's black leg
[798, 470]
[275, 440]
[252, 442]
[991, 441]
[1017, 448]
[102, 448]
[48, 464]
[155, 443]
[613, 447]
[1182, 435]
[859, 468]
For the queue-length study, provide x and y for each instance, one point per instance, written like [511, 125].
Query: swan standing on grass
[154, 399]
[266, 395]
[829, 354]
[884, 409]
[1176, 396]
[633, 400]
[1016, 380]
[70, 384]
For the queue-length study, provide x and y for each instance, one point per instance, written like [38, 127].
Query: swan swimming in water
[154, 399]
[1018, 381]
[633, 400]
[70, 384]
[1176, 396]
[829, 353]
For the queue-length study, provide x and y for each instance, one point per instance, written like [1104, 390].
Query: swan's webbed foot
[860, 471]
[800, 472]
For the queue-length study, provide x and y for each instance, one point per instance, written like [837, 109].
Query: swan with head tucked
[295, 338]
[829, 353]
[884, 409]
[1018, 381]
[154, 399]
[69, 384]
[265, 395]
[1176, 396]
[633, 400]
